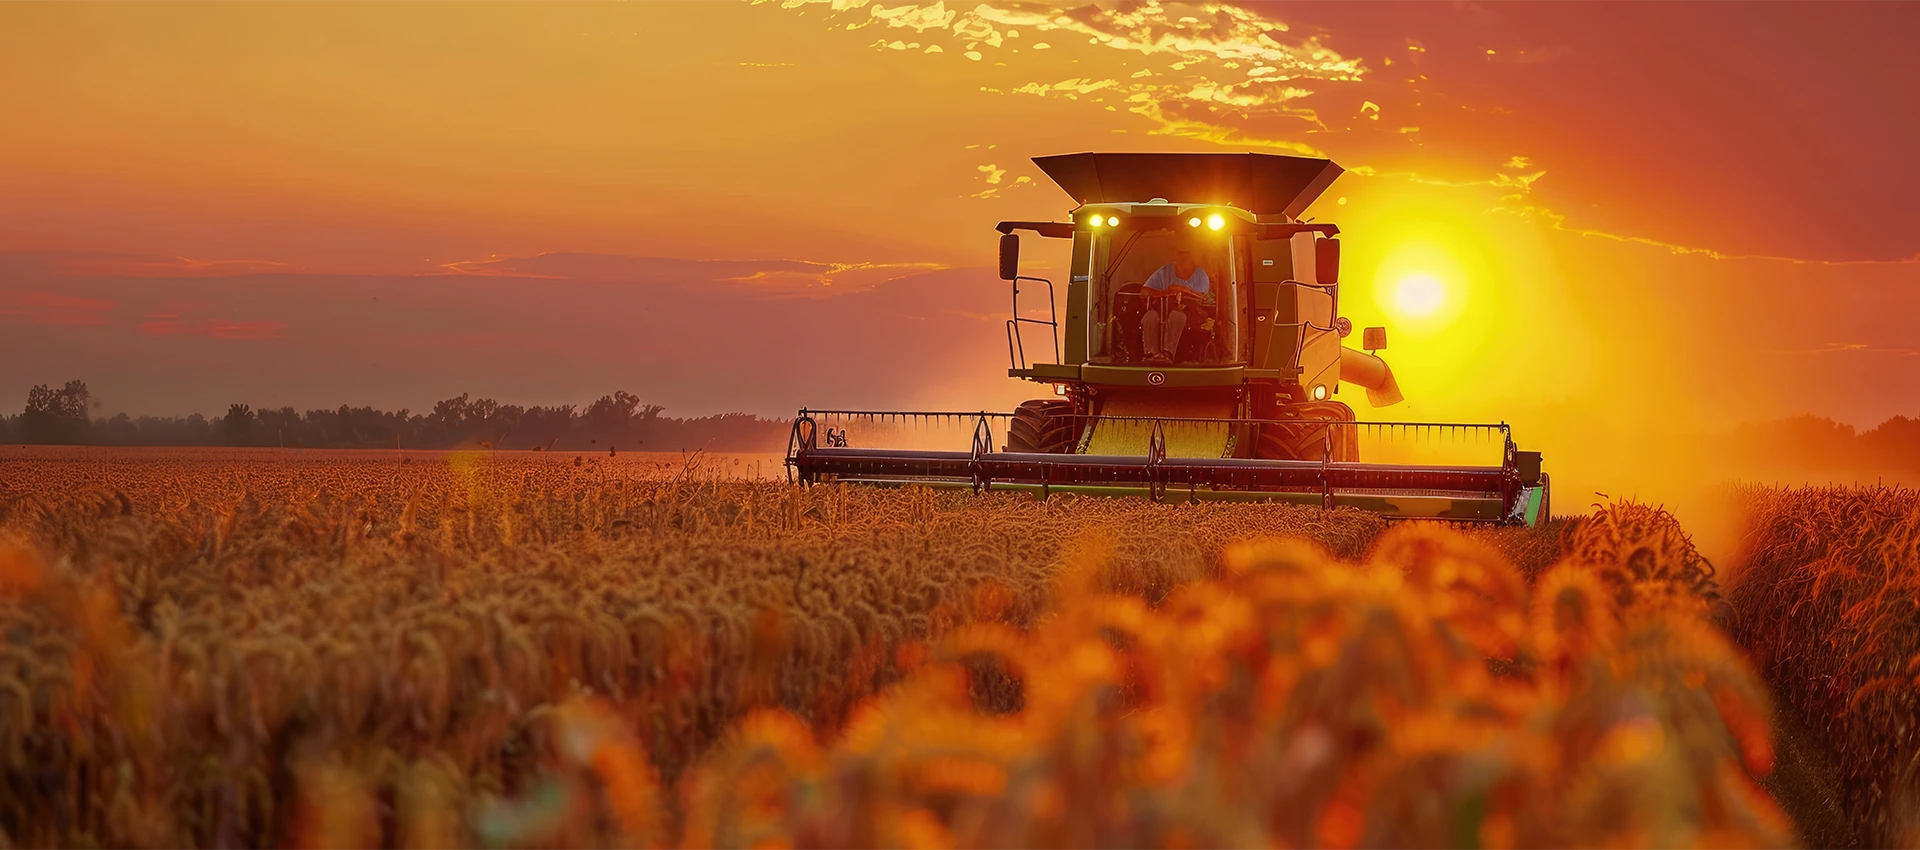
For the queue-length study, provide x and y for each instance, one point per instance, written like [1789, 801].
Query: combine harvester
[1214, 380]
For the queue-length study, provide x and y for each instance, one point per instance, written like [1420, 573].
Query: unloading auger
[1202, 353]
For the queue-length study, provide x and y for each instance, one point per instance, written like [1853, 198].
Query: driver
[1166, 291]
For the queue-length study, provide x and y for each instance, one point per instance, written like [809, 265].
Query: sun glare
[1418, 294]
[1424, 283]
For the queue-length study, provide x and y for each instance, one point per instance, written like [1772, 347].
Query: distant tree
[615, 419]
[458, 421]
[621, 419]
[56, 416]
[544, 426]
[196, 431]
[446, 422]
[482, 409]
[118, 431]
[281, 427]
[1895, 443]
[73, 400]
[505, 422]
[236, 428]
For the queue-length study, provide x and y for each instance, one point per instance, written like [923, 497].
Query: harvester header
[1201, 357]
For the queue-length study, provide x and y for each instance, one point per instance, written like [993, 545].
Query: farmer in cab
[1166, 319]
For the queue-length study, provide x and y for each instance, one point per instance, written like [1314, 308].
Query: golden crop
[270, 648]
[1828, 603]
[1296, 700]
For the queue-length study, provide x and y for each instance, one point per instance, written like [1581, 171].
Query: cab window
[1123, 262]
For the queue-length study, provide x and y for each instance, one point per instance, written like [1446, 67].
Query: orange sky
[1684, 215]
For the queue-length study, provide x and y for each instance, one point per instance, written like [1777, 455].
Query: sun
[1424, 283]
[1418, 294]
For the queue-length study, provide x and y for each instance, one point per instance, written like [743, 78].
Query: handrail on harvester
[1016, 345]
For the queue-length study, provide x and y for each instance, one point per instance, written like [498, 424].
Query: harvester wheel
[1043, 426]
[1306, 441]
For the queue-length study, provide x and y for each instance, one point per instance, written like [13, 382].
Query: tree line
[614, 422]
[1819, 442]
[622, 422]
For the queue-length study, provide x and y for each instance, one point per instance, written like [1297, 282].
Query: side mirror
[1326, 261]
[1009, 256]
[1373, 339]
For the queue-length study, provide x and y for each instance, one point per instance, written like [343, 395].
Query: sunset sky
[1696, 214]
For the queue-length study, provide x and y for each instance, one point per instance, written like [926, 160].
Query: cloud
[758, 277]
[1194, 99]
[1185, 31]
[995, 178]
[172, 324]
[1557, 221]
[1518, 202]
[1230, 76]
[137, 265]
[51, 308]
[1849, 348]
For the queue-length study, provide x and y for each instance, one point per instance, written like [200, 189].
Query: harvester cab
[1201, 355]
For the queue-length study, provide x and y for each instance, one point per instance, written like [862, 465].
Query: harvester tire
[1307, 440]
[1042, 426]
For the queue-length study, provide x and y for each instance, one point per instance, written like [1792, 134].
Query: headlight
[1319, 392]
[1193, 222]
[1113, 221]
[1095, 220]
[1216, 221]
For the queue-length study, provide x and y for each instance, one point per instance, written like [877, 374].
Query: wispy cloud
[173, 324]
[1849, 348]
[996, 181]
[132, 265]
[847, 277]
[780, 277]
[1517, 180]
[1557, 221]
[1227, 66]
[49, 308]
[1224, 74]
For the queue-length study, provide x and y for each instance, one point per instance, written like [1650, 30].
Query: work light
[1216, 222]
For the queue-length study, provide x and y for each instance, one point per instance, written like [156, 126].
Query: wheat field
[516, 649]
[1826, 605]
